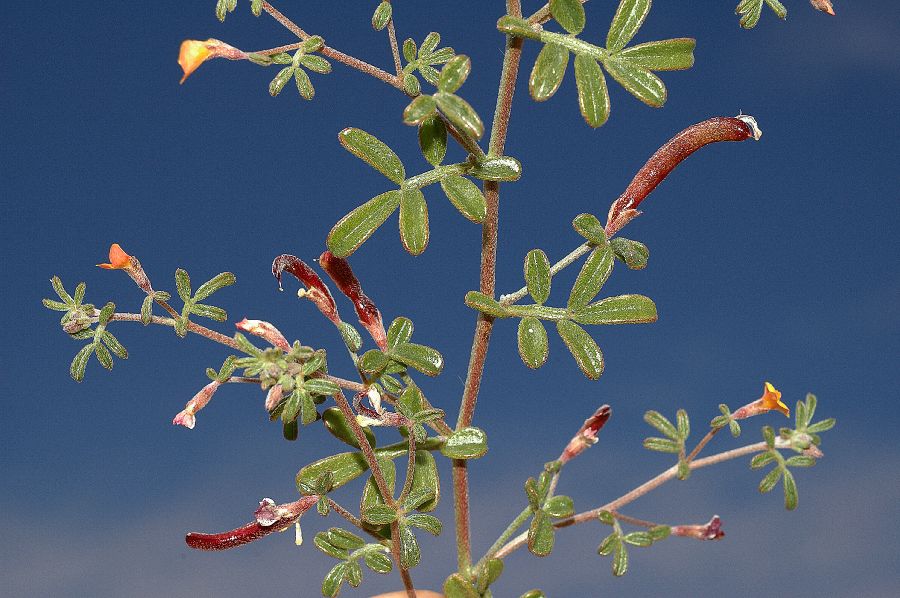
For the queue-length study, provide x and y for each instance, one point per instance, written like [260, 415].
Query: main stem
[484, 324]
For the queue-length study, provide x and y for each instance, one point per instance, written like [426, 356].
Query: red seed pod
[340, 272]
[660, 164]
[316, 291]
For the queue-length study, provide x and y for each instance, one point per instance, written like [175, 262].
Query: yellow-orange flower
[193, 53]
[118, 259]
[771, 399]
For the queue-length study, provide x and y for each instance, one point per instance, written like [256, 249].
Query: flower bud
[587, 434]
[266, 331]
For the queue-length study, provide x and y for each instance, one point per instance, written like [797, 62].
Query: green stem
[521, 28]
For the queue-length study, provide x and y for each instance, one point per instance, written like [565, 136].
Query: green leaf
[761, 460]
[541, 534]
[582, 347]
[419, 109]
[429, 523]
[411, 84]
[659, 421]
[331, 585]
[790, 491]
[424, 359]
[61, 290]
[352, 230]
[533, 346]
[593, 96]
[183, 284]
[316, 64]
[378, 562]
[465, 197]
[114, 345]
[466, 443]
[344, 539]
[659, 532]
[560, 506]
[379, 514]
[209, 311]
[409, 548]
[381, 16]
[623, 309]
[460, 113]
[822, 426]
[103, 356]
[634, 254]
[778, 8]
[683, 424]
[353, 575]
[569, 14]
[800, 461]
[147, 310]
[770, 480]
[639, 82]
[664, 55]
[642, 539]
[313, 43]
[620, 556]
[374, 152]
[337, 424]
[409, 49]
[304, 85]
[662, 445]
[537, 275]
[533, 594]
[290, 430]
[750, 11]
[608, 544]
[456, 586]
[79, 363]
[373, 361]
[371, 495]
[606, 517]
[548, 71]
[256, 7]
[57, 306]
[426, 480]
[454, 73]
[430, 42]
[593, 275]
[343, 467]
[628, 19]
[486, 305]
[400, 331]
[489, 573]
[350, 336]
[497, 168]
[280, 80]
[433, 139]
[413, 221]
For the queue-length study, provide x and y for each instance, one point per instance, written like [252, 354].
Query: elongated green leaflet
[465, 197]
[548, 72]
[589, 227]
[628, 19]
[623, 309]
[374, 152]
[541, 534]
[664, 55]
[352, 230]
[422, 358]
[336, 423]
[593, 275]
[639, 82]
[533, 347]
[400, 331]
[456, 586]
[454, 73]
[345, 467]
[593, 96]
[426, 478]
[414, 221]
[582, 347]
[467, 443]
[569, 14]
[433, 139]
[537, 275]
[486, 305]
[460, 113]
[381, 16]
[419, 109]
[633, 253]
[500, 168]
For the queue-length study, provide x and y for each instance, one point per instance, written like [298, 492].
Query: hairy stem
[395, 50]
[644, 488]
[484, 324]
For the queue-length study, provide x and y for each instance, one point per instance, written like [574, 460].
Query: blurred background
[769, 261]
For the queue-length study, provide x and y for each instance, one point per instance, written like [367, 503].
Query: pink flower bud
[587, 434]
[711, 530]
[186, 416]
[266, 331]
[274, 396]
[316, 291]
[340, 272]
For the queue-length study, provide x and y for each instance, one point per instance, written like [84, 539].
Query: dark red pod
[666, 158]
[340, 272]
[316, 291]
[232, 538]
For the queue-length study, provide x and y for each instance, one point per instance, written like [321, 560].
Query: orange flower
[193, 53]
[118, 259]
[771, 399]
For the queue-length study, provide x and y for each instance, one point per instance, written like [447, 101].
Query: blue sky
[769, 261]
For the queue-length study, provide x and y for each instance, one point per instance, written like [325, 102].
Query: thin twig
[554, 270]
[395, 50]
[646, 487]
[410, 467]
[703, 442]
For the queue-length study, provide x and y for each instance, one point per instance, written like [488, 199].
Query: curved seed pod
[340, 272]
[316, 291]
[660, 164]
